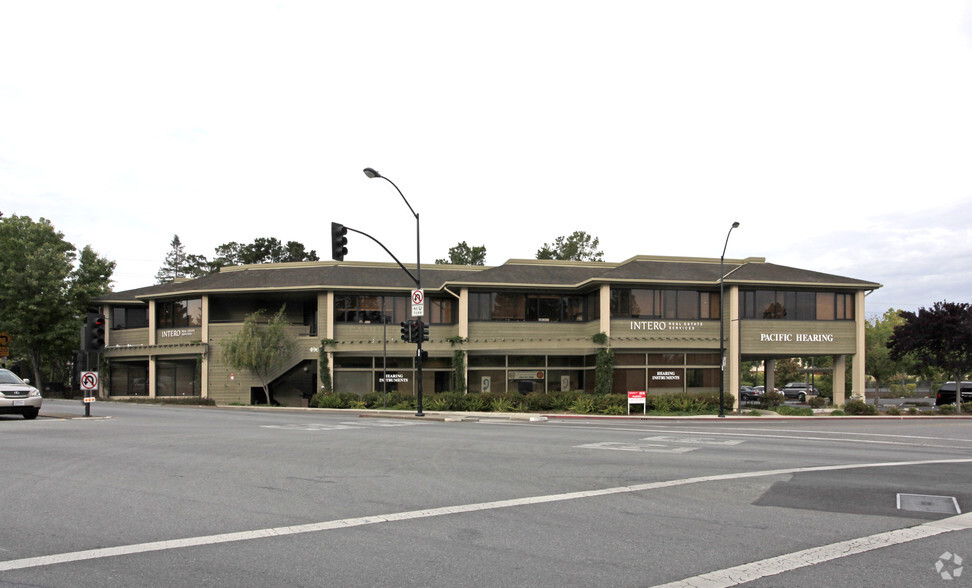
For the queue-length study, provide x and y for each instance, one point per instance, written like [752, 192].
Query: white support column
[605, 309]
[153, 336]
[464, 313]
[733, 354]
[464, 328]
[204, 367]
[857, 367]
[840, 374]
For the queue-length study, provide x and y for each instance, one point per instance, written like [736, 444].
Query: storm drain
[926, 503]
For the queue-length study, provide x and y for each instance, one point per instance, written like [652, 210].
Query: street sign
[4, 338]
[4, 352]
[418, 303]
[89, 380]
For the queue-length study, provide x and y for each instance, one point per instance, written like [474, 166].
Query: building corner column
[840, 375]
[857, 365]
[732, 348]
[604, 302]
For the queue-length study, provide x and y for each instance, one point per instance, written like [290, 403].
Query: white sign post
[418, 303]
[638, 397]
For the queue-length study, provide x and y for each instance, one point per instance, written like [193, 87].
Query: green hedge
[575, 402]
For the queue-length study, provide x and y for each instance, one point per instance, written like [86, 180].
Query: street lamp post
[722, 343]
[371, 173]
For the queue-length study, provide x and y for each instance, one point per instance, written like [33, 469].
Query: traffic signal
[425, 331]
[406, 332]
[95, 332]
[338, 241]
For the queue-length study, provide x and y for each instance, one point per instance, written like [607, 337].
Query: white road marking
[791, 561]
[694, 440]
[642, 447]
[831, 437]
[343, 426]
[951, 524]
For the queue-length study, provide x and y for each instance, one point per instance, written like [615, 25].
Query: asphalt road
[176, 496]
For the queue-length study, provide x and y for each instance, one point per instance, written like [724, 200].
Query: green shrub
[894, 411]
[502, 404]
[859, 407]
[946, 409]
[967, 408]
[771, 399]
[583, 404]
[324, 400]
[912, 411]
[817, 401]
[795, 411]
[562, 401]
[358, 404]
[837, 412]
[754, 412]
[538, 401]
[474, 403]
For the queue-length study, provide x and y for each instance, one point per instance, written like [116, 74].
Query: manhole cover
[926, 503]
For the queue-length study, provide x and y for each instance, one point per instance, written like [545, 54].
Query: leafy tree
[44, 296]
[463, 254]
[262, 250]
[787, 370]
[261, 347]
[577, 247]
[877, 357]
[940, 337]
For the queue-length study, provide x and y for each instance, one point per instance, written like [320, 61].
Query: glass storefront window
[129, 378]
[667, 379]
[486, 360]
[666, 359]
[628, 380]
[176, 377]
[629, 359]
[483, 381]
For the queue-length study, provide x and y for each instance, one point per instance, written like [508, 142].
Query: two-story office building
[525, 325]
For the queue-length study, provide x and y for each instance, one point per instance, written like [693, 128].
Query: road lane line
[90, 554]
[800, 559]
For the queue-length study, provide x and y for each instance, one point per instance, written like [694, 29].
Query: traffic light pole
[371, 173]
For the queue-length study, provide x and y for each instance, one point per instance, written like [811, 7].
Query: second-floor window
[529, 307]
[178, 313]
[664, 304]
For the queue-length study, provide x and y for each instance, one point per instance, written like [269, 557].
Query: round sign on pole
[89, 380]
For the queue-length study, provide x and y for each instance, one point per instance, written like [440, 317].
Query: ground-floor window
[380, 374]
[177, 377]
[662, 373]
[525, 374]
[128, 378]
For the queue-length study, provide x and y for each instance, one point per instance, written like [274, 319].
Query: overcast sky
[838, 133]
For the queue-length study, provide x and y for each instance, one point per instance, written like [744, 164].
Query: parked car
[748, 393]
[946, 394]
[762, 389]
[799, 391]
[18, 396]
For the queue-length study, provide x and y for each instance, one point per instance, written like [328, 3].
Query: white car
[18, 396]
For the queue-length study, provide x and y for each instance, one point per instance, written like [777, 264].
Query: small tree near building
[940, 337]
[261, 347]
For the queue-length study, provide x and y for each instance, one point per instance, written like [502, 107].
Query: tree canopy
[463, 254]
[46, 292]
[179, 264]
[940, 337]
[261, 347]
[579, 246]
[878, 362]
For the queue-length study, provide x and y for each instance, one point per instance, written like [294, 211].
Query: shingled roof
[520, 274]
